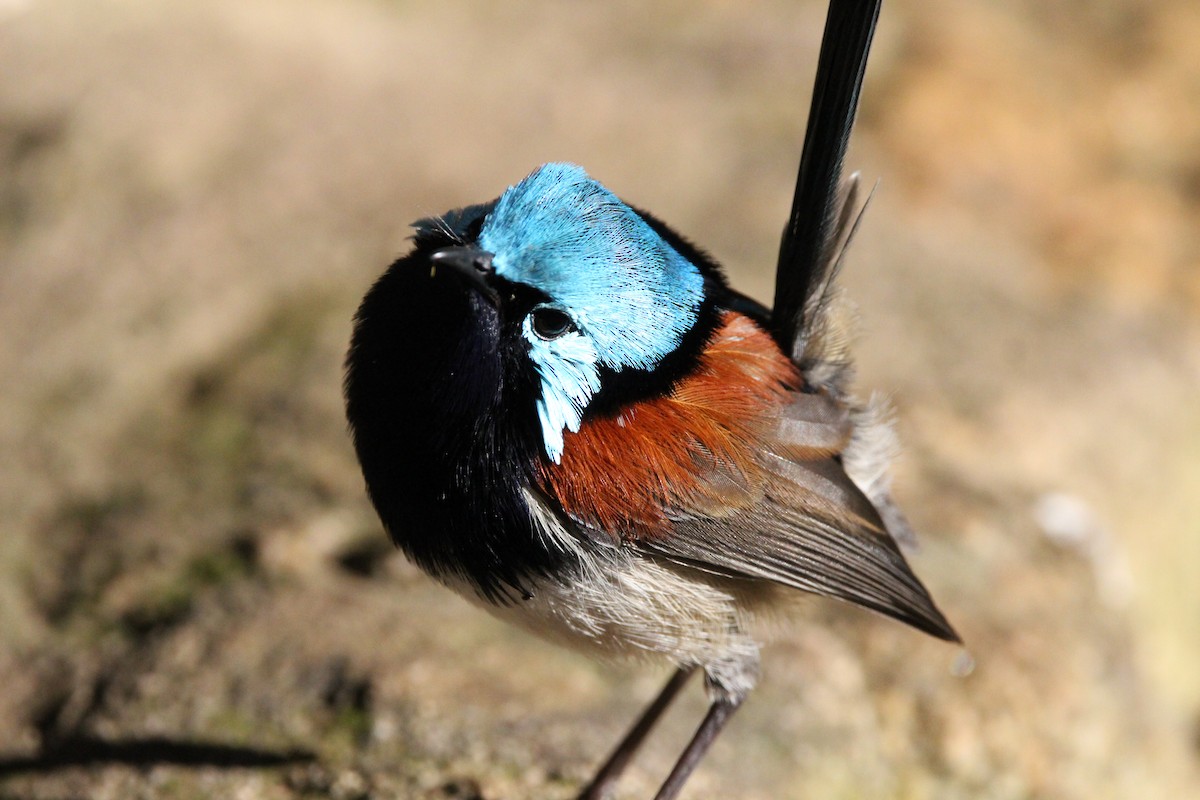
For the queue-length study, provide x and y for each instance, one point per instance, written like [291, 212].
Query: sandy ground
[195, 598]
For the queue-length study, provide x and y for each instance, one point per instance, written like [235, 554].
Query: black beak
[472, 264]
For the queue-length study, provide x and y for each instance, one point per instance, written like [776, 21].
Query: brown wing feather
[739, 472]
[807, 525]
[812, 529]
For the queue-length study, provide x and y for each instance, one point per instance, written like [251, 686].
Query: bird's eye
[550, 323]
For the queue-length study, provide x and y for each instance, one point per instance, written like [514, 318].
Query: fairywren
[565, 413]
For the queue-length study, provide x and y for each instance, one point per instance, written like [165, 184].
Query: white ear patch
[570, 376]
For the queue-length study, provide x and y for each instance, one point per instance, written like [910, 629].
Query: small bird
[565, 413]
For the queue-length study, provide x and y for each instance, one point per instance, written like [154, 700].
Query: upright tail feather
[824, 217]
[824, 212]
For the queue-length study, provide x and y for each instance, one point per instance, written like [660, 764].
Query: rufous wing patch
[695, 451]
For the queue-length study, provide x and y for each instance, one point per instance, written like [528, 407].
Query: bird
[565, 413]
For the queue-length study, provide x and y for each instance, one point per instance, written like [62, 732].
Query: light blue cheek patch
[570, 377]
[631, 295]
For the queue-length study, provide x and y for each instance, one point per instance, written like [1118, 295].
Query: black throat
[434, 395]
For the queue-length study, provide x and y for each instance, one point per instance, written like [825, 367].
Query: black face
[440, 398]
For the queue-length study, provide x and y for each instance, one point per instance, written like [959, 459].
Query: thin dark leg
[612, 769]
[718, 714]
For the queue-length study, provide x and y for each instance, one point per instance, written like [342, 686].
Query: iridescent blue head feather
[630, 295]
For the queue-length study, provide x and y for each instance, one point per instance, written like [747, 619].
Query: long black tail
[821, 217]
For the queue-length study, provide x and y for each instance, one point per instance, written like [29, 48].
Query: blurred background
[195, 597]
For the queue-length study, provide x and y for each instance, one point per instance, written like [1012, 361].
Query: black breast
[440, 403]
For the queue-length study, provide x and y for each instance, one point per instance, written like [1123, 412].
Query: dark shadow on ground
[147, 752]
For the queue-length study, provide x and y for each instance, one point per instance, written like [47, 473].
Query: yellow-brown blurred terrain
[195, 598]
